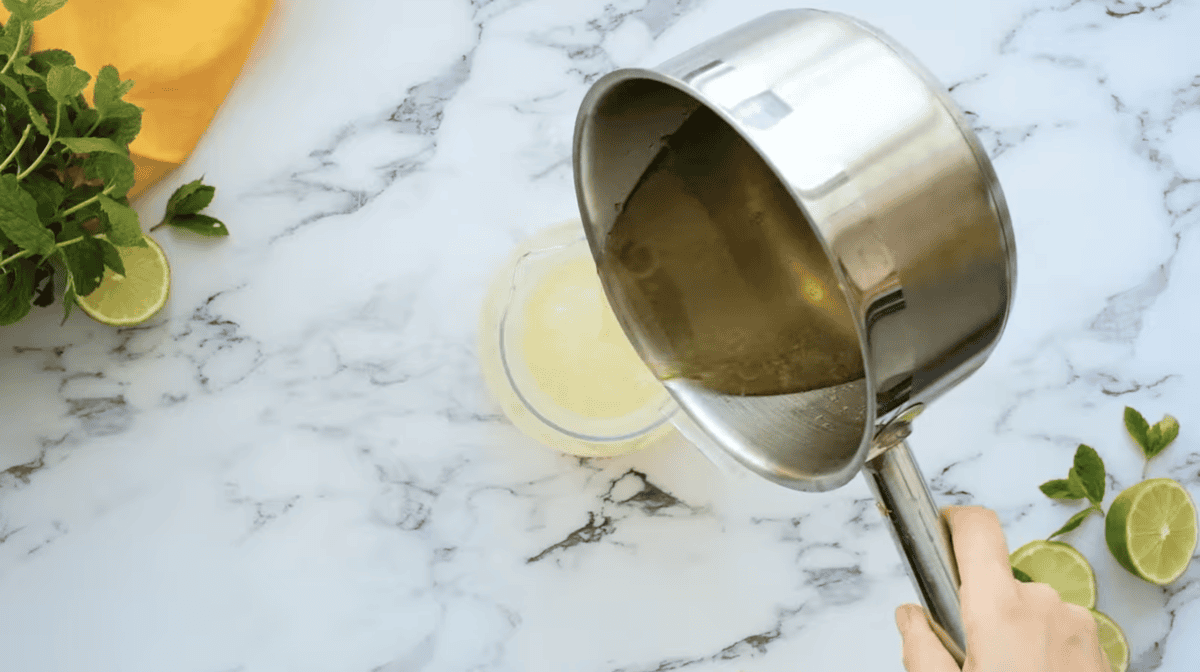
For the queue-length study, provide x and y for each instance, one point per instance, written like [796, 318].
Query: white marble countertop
[296, 466]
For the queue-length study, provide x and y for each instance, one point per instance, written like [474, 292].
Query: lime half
[136, 296]
[1061, 567]
[1151, 530]
[1112, 640]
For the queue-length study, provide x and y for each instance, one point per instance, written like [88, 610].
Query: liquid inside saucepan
[724, 278]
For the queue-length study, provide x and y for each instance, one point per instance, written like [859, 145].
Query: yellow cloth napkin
[183, 56]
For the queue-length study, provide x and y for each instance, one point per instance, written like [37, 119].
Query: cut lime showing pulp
[1112, 640]
[1061, 567]
[136, 296]
[1151, 530]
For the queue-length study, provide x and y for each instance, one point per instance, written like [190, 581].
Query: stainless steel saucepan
[902, 210]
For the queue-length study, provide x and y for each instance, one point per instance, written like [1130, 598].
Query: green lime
[1061, 567]
[1151, 530]
[1112, 640]
[136, 296]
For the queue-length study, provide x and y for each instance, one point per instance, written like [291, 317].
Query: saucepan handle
[923, 539]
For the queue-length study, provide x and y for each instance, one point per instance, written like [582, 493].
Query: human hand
[1010, 626]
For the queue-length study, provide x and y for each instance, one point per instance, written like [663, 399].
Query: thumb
[923, 651]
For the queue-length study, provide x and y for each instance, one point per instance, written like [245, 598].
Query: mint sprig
[185, 204]
[1151, 439]
[1086, 479]
[65, 172]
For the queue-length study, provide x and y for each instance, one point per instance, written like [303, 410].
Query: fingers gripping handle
[923, 538]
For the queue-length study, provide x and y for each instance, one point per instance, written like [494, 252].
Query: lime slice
[1061, 567]
[1151, 530]
[1112, 640]
[136, 296]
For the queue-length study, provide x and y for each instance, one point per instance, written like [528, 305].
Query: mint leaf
[33, 10]
[108, 93]
[123, 129]
[84, 121]
[45, 59]
[1151, 439]
[195, 201]
[16, 291]
[1058, 489]
[38, 64]
[1074, 522]
[1090, 468]
[20, 65]
[85, 263]
[47, 193]
[8, 136]
[78, 197]
[190, 198]
[17, 29]
[1161, 435]
[1075, 482]
[115, 169]
[1137, 427]
[112, 257]
[35, 115]
[70, 231]
[112, 118]
[68, 299]
[200, 224]
[64, 82]
[1021, 576]
[123, 226]
[93, 145]
[18, 9]
[19, 218]
[45, 295]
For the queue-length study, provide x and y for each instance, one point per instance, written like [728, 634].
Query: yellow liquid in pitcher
[557, 361]
[576, 351]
